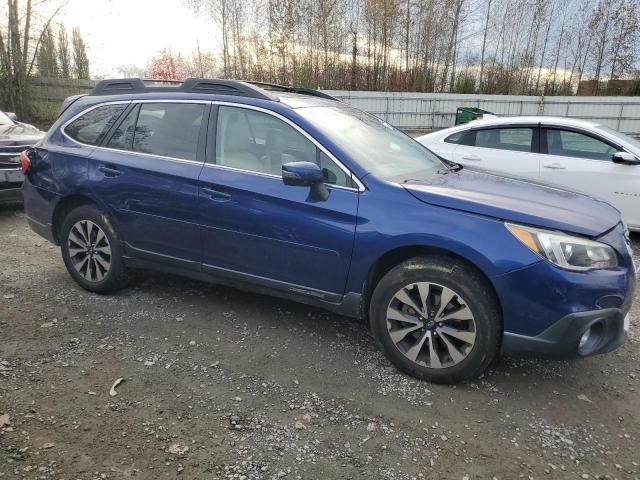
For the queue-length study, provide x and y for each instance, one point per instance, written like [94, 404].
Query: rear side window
[516, 139]
[91, 127]
[168, 129]
[122, 138]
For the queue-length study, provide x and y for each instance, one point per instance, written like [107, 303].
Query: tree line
[62, 57]
[467, 46]
[29, 48]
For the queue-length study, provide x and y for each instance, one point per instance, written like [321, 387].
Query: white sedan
[577, 154]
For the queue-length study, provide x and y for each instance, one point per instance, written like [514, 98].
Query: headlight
[565, 251]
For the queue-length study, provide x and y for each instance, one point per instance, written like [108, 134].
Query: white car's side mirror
[625, 158]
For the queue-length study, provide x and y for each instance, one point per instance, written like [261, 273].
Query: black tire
[109, 280]
[478, 296]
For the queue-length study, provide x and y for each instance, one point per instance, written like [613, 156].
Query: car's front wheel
[436, 319]
[91, 251]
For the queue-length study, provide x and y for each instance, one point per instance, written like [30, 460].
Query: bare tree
[64, 57]
[498, 46]
[80, 59]
[47, 60]
[20, 39]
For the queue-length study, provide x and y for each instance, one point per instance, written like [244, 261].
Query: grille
[11, 150]
[10, 155]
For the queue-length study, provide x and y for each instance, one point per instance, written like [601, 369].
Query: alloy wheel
[431, 325]
[89, 250]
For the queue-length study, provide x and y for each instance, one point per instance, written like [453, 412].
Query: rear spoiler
[68, 102]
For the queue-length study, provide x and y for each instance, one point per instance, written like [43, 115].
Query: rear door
[147, 173]
[583, 162]
[257, 228]
[510, 149]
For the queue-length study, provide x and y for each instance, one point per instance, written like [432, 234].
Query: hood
[517, 201]
[19, 134]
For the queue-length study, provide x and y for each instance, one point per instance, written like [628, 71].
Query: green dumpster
[466, 114]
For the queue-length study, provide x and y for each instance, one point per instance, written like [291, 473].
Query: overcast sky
[121, 32]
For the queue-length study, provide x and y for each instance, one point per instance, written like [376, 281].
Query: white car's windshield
[4, 120]
[625, 138]
[379, 148]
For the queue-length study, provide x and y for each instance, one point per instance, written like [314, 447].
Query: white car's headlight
[565, 251]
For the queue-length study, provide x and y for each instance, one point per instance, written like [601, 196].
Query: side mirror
[301, 174]
[305, 174]
[12, 116]
[625, 158]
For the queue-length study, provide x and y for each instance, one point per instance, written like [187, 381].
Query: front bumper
[546, 310]
[607, 331]
[10, 183]
[10, 195]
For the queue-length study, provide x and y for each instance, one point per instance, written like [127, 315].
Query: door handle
[108, 171]
[554, 166]
[216, 195]
[474, 158]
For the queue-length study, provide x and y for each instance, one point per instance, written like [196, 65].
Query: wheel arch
[394, 257]
[62, 209]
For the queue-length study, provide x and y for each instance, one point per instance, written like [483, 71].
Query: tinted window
[91, 127]
[456, 137]
[517, 139]
[259, 142]
[122, 138]
[574, 144]
[168, 129]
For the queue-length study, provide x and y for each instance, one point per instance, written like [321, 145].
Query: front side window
[91, 127]
[372, 143]
[258, 142]
[168, 129]
[567, 143]
[515, 139]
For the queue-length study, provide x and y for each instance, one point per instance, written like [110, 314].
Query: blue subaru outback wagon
[286, 191]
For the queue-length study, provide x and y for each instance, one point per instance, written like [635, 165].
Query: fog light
[584, 338]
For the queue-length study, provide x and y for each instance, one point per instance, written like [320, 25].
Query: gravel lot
[224, 384]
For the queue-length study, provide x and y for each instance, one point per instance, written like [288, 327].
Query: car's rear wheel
[91, 251]
[436, 319]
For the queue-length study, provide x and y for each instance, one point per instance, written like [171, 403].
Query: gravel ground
[224, 384]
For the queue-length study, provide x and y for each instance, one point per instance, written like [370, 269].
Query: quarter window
[258, 142]
[91, 127]
[573, 144]
[516, 139]
[168, 129]
[456, 138]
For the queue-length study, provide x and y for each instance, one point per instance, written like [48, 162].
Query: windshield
[379, 148]
[625, 138]
[4, 120]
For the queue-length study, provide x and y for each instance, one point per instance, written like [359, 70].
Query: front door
[257, 228]
[584, 163]
[147, 173]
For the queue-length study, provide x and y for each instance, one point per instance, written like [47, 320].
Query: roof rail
[124, 86]
[300, 90]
